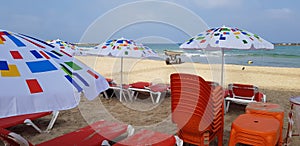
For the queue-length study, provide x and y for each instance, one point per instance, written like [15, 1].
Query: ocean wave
[273, 55]
[194, 55]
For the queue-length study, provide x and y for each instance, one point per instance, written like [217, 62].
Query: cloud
[282, 13]
[211, 4]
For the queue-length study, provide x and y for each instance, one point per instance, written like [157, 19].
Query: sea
[280, 56]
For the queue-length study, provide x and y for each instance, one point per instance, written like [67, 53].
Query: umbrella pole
[222, 68]
[222, 75]
[121, 90]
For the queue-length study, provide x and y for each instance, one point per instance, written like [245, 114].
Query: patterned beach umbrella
[124, 48]
[226, 38]
[64, 46]
[37, 77]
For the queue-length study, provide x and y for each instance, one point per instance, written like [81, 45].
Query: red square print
[16, 55]
[34, 86]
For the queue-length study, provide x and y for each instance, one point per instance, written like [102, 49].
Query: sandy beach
[278, 84]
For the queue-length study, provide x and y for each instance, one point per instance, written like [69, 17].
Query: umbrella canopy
[64, 46]
[38, 77]
[124, 48]
[226, 38]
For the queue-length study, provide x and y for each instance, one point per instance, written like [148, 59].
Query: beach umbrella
[37, 77]
[124, 48]
[64, 46]
[226, 38]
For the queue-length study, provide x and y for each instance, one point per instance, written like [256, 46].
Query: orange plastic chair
[253, 129]
[197, 109]
[268, 109]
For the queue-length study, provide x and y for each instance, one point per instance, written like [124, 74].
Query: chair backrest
[159, 87]
[212, 83]
[111, 82]
[191, 104]
[13, 139]
[140, 85]
[243, 91]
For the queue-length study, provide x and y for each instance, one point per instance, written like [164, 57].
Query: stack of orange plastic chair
[197, 109]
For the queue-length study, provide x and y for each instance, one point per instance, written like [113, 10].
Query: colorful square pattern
[11, 72]
[34, 86]
[40, 66]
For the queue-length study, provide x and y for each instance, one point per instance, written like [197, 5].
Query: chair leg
[50, 125]
[152, 98]
[264, 98]
[30, 123]
[105, 94]
[53, 119]
[205, 138]
[227, 106]
[220, 137]
[134, 97]
[123, 95]
[157, 97]
[130, 130]
[179, 142]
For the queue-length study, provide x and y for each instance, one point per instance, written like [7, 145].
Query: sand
[278, 84]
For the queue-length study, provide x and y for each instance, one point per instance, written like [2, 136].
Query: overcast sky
[173, 20]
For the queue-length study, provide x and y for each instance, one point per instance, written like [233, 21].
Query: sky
[95, 21]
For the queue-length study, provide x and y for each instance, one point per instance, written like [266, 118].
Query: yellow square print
[12, 72]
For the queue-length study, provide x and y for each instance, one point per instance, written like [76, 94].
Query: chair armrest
[226, 93]
[260, 97]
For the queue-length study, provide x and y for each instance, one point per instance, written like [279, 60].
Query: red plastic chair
[197, 109]
[114, 88]
[92, 135]
[146, 137]
[27, 119]
[155, 90]
[243, 94]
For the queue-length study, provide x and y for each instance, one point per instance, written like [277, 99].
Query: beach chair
[109, 92]
[115, 89]
[155, 90]
[243, 94]
[92, 135]
[27, 119]
[146, 137]
[293, 128]
[197, 109]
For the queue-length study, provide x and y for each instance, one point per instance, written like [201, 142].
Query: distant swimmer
[250, 61]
